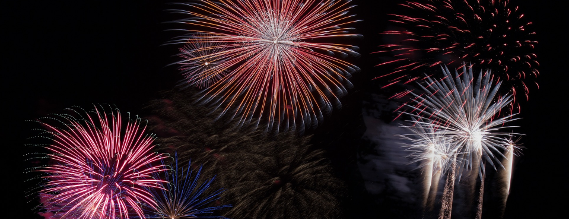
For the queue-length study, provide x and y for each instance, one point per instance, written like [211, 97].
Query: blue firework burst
[186, 196]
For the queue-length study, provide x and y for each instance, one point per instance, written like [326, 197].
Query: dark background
[57, 54]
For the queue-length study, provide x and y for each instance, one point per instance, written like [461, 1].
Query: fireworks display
[273, 58]
[250, 114]
[491, 34]
[99, 168]
[184, 197]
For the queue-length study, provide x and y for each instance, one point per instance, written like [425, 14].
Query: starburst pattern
[493, 34]
[277, 58]
[99, 168]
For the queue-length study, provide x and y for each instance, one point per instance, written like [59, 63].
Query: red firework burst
[489, 33]
[99, 169]
[274, 65]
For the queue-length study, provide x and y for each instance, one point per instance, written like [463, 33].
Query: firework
[492, 34]
[466, 110]
[199, 65]
[99, 168]
[434, 151]
[278, 66]
[285, 179]
[184, 198]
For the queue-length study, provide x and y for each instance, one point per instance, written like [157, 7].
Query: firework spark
[184, 198]
[466, 110]
[99, 168]
[278, 66]
[492, 34]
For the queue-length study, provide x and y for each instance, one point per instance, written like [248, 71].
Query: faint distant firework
[284, 179]
[252, 166]
[277, 58]
[193, 131]
[200, 65]
[493, 34]
[186, 195]
[98, 168]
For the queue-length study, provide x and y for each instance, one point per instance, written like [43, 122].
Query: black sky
[56, 54]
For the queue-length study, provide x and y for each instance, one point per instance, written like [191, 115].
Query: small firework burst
[277, 66]
[429, 147]
[284, 179]
[466, 110]
[98, 168]
[185, 196]
[200, 66]
[493, 34]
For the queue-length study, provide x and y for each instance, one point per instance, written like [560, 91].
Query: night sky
[58, 54]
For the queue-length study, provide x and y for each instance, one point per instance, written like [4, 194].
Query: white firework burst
[468, 111]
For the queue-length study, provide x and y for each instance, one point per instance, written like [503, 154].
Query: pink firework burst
[278, 62]
[493, 34]
[98, 168]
